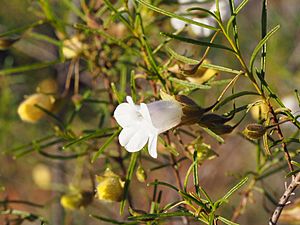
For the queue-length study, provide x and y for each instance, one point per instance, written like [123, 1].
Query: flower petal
[165, 114]
[129, 100]
[139, 139]
[126, 115]
[126, 134]
[145, 113]
[152, 145]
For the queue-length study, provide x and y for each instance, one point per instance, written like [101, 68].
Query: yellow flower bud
[76, 200]
[254, 131]
[141, 174]
[110, 187]
[259, 111]
[41, 176]
[73, 47]
[29, 112]
[47, 86]
[204, 151]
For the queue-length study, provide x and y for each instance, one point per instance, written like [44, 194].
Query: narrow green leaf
[153, 216]
[226, 221]
[193, 199]
[105, 145]
[189, 84]
[187, 60]
[172, 15]
[75, 9]
[26, 68]
[232, 97]
[95, 134]
[22, 29]
[129, 174]
[195, 173]
[45, 38]
[111, 221]
[295, 163]
[164, 184]
[241, 6]
[234, 189]
[260, 45]
[263, 34]
[214, 135]
[61, 157]
[196, 42]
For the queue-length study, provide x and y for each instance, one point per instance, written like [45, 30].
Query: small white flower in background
[143, 123]
[198, 30]
[291, 103]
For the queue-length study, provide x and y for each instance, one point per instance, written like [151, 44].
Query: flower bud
[29, 112]
[141, 174]
[259, 111]
[47, 86]
[76, 200]
[41, 176]
[204, 151]
[110, 187]
[254, 131]
[73, 47]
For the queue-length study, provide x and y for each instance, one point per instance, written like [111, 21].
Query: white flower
[292, 104]
[143, 123]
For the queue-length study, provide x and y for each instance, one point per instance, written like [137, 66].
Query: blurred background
[38, 175]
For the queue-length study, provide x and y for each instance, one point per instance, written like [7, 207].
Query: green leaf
[195, 173]
[189, 84]
[153, 216]
[129, 174]
[22, 29]
[172, 15]
[232, 97]
[111, 221]
[105, 145]
[260, 45]
[231, 192]
[196, 42]
[193, 199]
[237, 10]
[295, 163]
[26, 68]
[226, 221]
[96, 134]
[214, 135]
[263, 34]
[164, 184]
[187, 60]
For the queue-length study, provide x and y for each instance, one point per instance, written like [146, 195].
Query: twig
[284, 199]
[280, 135]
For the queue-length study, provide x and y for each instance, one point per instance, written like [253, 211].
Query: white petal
[126, 115]
[201, 31]
[145, 113]
[177, 24]
[126, 134]
[165, 114]
[129, 100]
[152, 145]
[139, 139]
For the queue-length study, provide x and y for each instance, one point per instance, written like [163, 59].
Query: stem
[284, 199]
